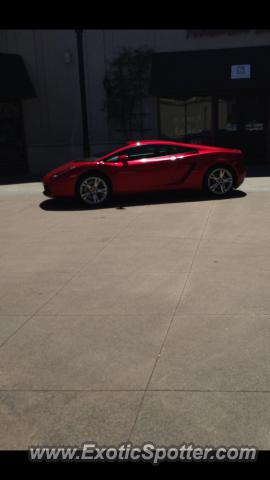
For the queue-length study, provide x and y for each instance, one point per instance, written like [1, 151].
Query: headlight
[56, 175]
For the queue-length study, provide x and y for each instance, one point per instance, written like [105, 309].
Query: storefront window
[187, 120]
[227, 115]
[253, 114]
[199, 118]
[233, 121]
[172, 118]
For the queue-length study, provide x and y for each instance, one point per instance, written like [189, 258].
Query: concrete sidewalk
[148, 320]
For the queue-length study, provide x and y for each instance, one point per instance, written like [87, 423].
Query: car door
[181, 160]
[138, 171]
[149, 167]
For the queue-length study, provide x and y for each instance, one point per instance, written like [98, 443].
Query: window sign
[240, 71]
[254, 126]
[231, 127]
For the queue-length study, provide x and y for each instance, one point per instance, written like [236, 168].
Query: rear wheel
[93, 190]
[219, 181]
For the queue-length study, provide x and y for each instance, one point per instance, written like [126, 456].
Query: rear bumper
[241, 175]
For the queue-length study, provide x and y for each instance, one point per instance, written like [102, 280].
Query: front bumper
[60, 187]
[47, 191]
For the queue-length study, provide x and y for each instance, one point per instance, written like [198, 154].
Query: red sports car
[148, 166]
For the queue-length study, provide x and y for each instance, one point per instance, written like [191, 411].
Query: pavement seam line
[77, 272]
[172, 319]
[100, 390]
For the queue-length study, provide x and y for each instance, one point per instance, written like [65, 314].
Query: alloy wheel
[220, 181]
[93, 190]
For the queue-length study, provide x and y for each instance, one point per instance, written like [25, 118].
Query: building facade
[206, 86]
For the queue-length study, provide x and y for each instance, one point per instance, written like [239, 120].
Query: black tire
[219, 181]
[93, 189]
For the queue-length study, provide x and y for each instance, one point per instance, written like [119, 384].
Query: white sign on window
[240, 71]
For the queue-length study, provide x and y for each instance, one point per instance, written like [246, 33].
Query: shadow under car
[123, 201]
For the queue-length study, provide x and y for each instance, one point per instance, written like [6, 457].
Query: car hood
[62, 168]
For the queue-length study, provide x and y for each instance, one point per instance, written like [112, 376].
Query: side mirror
[123, 158]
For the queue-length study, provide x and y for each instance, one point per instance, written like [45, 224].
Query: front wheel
[93, 190]
[219, 181]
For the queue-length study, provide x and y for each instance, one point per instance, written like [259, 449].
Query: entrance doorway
[12, 148]
[242, 124]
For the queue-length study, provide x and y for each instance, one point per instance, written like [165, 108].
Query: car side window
[135, 153]
[145, 151]
[112, 159]
[151, 151]
[163, 150]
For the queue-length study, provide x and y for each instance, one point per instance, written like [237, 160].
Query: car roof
[190, 146]
[195, 146]
[137, 143]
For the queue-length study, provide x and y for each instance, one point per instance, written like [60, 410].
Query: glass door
[252, 114]
[242, 124]
[228, 123]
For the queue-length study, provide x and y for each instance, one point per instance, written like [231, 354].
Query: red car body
[183, 170]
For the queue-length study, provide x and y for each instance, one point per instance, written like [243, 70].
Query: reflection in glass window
[227, 119]
[144, 151]
[188, 119]
[163, 150]
[199, 116]
[172, 118]
[253, 113]
[113, 159]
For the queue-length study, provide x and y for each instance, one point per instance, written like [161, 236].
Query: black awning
[14, 79]
[208, 72]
